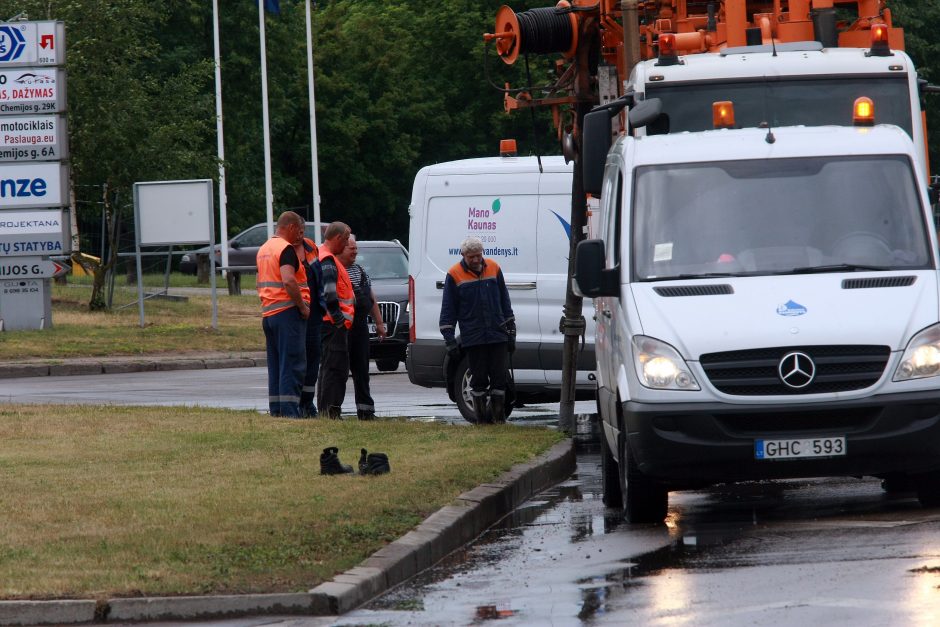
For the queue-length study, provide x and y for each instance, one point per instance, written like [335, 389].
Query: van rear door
[554, 232]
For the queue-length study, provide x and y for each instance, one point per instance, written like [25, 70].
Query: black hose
[543, 30]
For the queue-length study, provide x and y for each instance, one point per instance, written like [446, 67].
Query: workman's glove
[510, 326]
[340, 324]
[453, 348]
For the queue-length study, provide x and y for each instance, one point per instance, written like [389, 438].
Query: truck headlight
[922, 357]
[659, 365]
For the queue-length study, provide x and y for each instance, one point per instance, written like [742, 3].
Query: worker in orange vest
[285, 306]
[340, 307]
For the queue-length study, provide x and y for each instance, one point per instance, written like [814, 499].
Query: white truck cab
[768, 307]
[521, 214]
[797, 83]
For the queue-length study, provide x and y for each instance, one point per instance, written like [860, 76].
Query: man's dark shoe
[479, 408]
[330, 464]
[364, 414]
[497, 406]
[375, 464]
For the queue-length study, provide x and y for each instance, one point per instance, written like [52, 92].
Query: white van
[522, 215]
[768, 307]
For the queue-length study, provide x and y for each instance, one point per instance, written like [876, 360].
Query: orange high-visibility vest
[344, 290]
[271, 290]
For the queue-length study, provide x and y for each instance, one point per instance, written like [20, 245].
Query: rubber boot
[479, 408]
[498, 406]
[330, 464]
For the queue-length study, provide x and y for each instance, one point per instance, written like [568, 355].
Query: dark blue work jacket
[478, 303]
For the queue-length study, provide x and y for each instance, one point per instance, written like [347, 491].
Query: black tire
[928, 489]
[386, 365]
[644, 501]
[462, 393]
[610, 476]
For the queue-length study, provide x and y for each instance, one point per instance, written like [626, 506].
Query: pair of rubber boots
[492, 411]
[369, 463]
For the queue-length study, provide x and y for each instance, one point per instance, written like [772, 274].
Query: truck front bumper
[704, 443]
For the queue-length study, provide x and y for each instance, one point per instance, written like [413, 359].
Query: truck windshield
[826, 214]
[782, 101]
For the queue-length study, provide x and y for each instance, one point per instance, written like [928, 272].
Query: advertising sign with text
[33, 138]
[33, 233]
[33, 185]
[30, 90]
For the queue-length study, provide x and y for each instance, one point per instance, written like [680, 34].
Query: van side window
[614, 220]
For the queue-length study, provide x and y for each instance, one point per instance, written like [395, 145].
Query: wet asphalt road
[809, 552]
[816, 552]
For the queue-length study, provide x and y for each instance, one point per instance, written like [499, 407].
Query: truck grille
[389, 313]
[756, 372]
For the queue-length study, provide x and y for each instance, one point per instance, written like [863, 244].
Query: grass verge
[171, 327]
[115, 501]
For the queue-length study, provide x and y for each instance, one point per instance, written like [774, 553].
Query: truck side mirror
[595, 144]
[645, 112]
[592, 279]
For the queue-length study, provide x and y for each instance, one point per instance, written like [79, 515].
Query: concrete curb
[442, 532]
[114, 365]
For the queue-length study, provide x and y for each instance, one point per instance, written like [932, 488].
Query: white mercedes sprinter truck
[522, 215]
[768, 307]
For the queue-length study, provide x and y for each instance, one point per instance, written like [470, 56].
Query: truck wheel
[462, 393]
[644, 501]
[386, 365]
[610, 475]
[928, 489]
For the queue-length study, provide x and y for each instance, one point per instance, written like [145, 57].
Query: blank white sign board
[174, 212]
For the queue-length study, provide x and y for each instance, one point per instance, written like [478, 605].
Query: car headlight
[922, 357]
[660, 367]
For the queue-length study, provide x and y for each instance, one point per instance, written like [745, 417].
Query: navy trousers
[285, 339]
[308, 395]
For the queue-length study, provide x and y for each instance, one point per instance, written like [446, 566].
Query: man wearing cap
[285, 306]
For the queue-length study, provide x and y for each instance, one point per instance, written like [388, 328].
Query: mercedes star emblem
[796, 370]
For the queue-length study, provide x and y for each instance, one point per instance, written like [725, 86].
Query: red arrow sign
[47, 41]
[61, 269]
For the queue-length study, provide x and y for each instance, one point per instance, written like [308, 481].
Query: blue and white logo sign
[32, 43]
[791, 308]
[12, 43]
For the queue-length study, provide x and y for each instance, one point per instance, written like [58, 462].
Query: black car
[386, 263]
[242, 249]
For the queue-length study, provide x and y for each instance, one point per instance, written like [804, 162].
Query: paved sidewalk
[139, 363]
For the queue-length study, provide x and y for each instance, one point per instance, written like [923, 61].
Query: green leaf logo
[496, 206]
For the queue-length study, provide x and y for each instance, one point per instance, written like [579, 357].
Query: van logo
[791, 308]
[796, 370]
[496, 206]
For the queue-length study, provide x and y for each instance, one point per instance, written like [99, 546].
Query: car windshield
[386, 262]
[832, 214]
[782, 102]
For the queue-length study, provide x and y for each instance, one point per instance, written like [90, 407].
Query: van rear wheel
[462, 393]
[644, 500]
